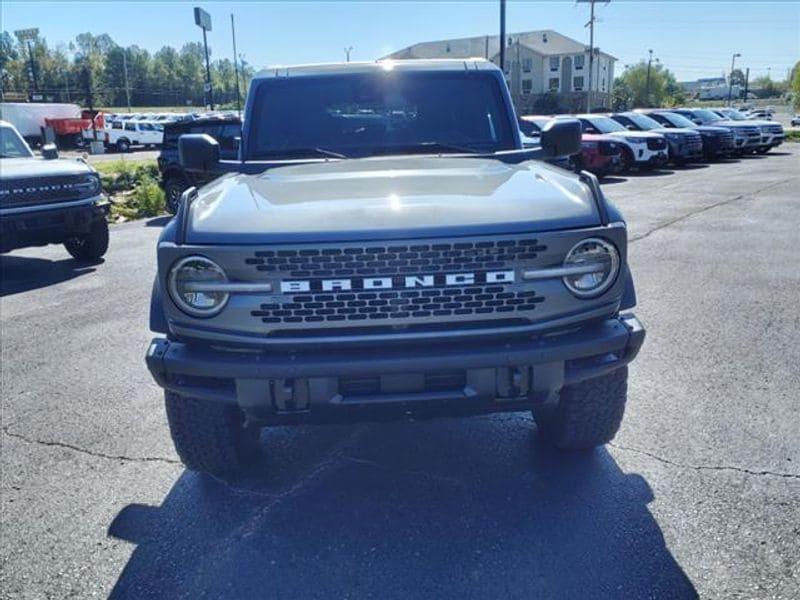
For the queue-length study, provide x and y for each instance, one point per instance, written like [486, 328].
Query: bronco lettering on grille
[396, 282]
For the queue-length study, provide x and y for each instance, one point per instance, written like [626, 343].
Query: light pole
[25, 36]
[503, 35]
[203, 20]
[236, 70]
[647, 92]
[347, 51]
[730, 79]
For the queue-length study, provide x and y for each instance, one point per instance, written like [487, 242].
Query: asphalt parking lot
[699, 495]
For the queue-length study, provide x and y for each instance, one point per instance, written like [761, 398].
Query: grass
[792, 135]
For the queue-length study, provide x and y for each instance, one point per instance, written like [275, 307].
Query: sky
[693, 39]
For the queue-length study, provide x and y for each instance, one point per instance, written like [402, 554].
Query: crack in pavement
[673, 463]
[74, 448]
[690, 214]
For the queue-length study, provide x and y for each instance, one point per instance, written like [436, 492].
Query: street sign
[202, 18]
[27, 34]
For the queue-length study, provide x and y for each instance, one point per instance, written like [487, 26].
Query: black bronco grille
[390, 259]
[656, 143]
[374, 306]
[46, 190]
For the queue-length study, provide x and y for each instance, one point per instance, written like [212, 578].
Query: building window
[554, 63]
[553, 84]
[579, 62]
[527, 65]
[527, 86]
[577, 84]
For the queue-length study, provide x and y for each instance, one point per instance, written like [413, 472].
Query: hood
[598, 137]
[382, 198]
[14, 168]
[679, 130]
[711, 129]
[730, 123]
[636, 134]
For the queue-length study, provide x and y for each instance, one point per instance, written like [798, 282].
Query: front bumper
[49, 224]
[376, 383]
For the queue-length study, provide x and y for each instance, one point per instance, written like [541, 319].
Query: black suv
[174, 179]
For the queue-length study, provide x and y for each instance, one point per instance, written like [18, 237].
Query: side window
[228, 137]
[588, 127]
[624, 121]
[116, 125]
[130, 126]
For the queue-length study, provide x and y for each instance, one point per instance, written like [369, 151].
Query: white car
[795, 121]
[641, 149]
[124, 134]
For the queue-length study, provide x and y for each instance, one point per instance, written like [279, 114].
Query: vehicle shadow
[443, 509]
[613, 179]
[158, 221]
[693, 166]
[651, 173]
[22, 273]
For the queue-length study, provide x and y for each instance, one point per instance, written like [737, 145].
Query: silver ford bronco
[385, 248]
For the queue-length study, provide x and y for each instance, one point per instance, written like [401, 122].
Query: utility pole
[590, 25]
[730, 78]
[125, 70]
[746, 83]
[647, 92]
[203, 20]
[503, 35]
[236, 70]
[347, 51]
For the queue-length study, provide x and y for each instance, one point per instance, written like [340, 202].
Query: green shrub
[148, 198]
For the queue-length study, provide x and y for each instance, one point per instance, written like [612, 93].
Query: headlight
[191, 285]
[89, 184]
[594, 263]
[636, 140]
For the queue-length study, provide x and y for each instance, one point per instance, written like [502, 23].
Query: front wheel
[587, 414]
[210, 437]
[123, 146]
[626, 161]
[764, 150]
[173, 188]
[90, 246]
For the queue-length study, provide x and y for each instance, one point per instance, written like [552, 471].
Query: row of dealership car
[125, 131]
[649, 138]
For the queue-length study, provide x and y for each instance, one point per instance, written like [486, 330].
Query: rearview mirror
[561, 137]
[49, 151]
[198, 152]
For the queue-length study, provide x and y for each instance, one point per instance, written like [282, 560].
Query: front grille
[656, 143]
[608, 148]
[395, 259]
[417, 278]
[357, 307]
[694, 144]
[45, 190]
[725, 140]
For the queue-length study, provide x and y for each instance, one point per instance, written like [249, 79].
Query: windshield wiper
[295, 152]
[424, 147]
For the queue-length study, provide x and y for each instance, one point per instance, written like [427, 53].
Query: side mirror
[697, 121]
[561, 137]
[198, 152]
[49, 151]
[630, 127]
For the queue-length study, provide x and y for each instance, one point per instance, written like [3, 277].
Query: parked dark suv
[174, 179]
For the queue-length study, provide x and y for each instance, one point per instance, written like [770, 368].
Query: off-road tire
[123, 145]
[173, 188]
[210, 437]
[90, 246]
[587, 414]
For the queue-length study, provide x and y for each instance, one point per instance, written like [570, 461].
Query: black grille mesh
[656, 143]
[349, 307]
[44, 190]
[386, 260]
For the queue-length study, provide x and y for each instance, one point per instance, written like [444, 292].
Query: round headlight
[594, 263]
[192, 281]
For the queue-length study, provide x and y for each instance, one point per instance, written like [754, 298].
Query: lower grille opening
[439, 381]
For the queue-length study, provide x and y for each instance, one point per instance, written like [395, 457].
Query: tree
[794, 82]
[631, 88]
[737, 77]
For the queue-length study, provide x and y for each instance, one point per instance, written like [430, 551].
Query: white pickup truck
[124, 134]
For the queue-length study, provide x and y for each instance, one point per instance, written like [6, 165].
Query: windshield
[604, 124]
[364, 114]
[677, 120]
[12, 145]
[706, 115]
[732, 114]
[643, 121]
